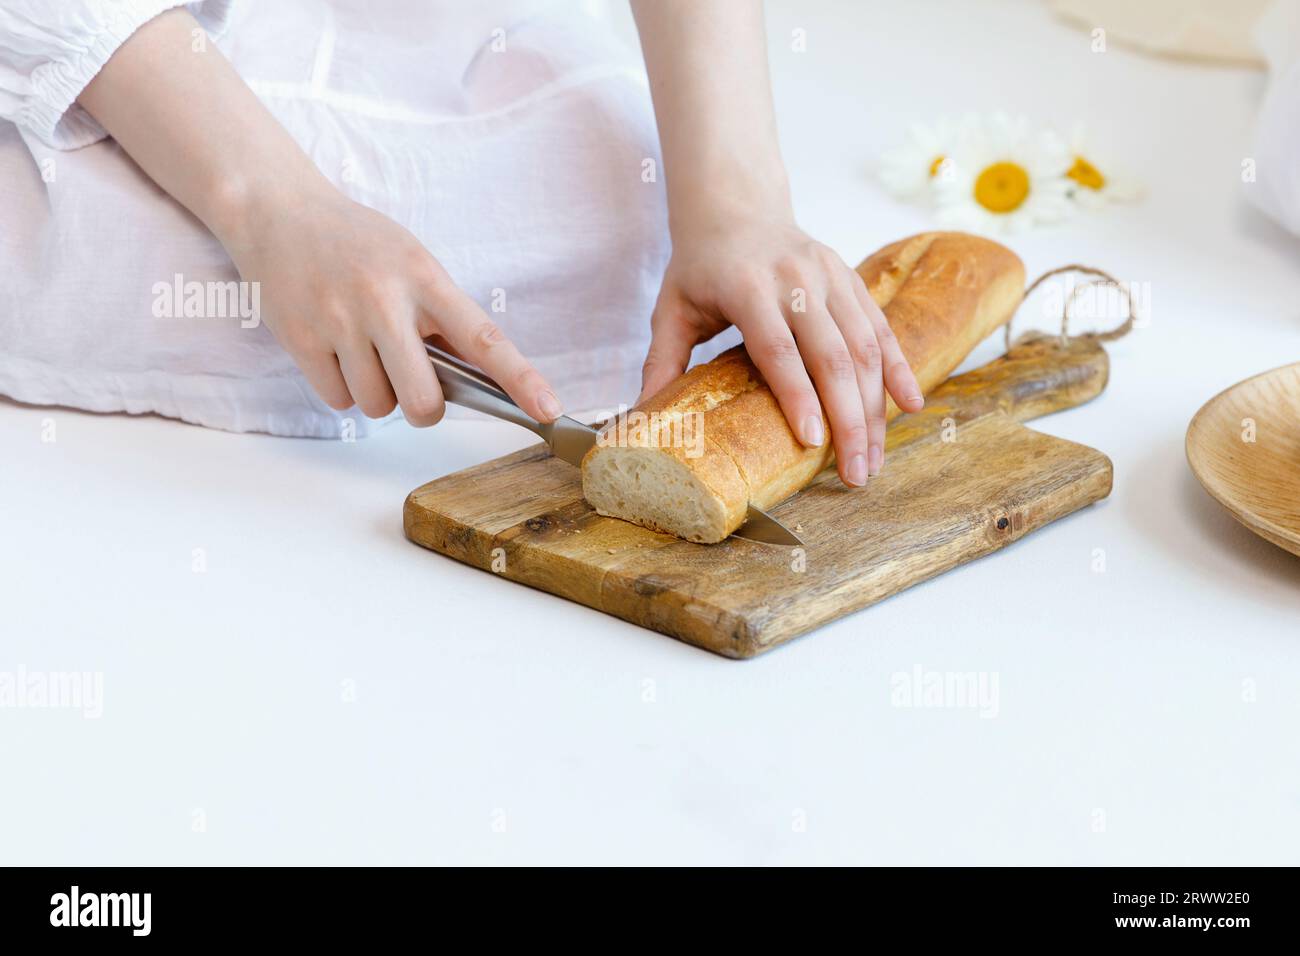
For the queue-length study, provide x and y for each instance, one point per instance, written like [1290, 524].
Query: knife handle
[465, 385]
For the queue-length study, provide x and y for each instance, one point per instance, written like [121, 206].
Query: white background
[1122, 732]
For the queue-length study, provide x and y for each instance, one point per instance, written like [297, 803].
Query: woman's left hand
[808, 322]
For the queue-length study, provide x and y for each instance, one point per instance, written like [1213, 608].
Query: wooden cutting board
[962, 478]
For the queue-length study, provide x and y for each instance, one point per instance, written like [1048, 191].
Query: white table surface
[1146, 714]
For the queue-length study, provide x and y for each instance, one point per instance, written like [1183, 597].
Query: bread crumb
[798, 529]
[611, 550]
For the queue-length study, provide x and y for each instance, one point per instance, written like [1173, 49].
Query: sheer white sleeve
[50, 51]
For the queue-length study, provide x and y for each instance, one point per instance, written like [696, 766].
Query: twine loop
[1102, 279]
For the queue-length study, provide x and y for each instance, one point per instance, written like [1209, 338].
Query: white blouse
[510, 137]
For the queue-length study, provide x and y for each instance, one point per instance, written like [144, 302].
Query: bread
[691, 458]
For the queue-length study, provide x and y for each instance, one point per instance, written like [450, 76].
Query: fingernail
[812, 431]
[916, 397]
[549, 404]
[877, 459]
[857, 470]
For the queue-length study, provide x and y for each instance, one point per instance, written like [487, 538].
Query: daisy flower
[1093, 180]
[911, 168]
[1004, 177]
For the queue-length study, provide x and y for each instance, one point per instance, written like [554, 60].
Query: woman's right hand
[350, 294]
[347, 291]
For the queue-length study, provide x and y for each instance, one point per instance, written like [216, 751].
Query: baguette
[690, 459]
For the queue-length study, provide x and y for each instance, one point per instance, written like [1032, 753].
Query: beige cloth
[1218, 30]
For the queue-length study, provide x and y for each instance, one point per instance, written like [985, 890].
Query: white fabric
[1275, 188]
[520, 170]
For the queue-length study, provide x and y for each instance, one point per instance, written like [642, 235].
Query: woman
[379, 173]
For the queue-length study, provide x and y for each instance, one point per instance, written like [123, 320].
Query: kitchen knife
[569, 440]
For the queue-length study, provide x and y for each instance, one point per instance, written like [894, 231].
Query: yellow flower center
[1086, 174]
[934, 166]
[1002, 187]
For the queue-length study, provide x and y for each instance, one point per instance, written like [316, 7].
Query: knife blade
[568, 438]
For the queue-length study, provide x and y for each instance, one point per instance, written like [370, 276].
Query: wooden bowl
[1257, 481]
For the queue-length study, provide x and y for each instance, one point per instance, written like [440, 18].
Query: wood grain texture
[1257, 480]
[963, 478]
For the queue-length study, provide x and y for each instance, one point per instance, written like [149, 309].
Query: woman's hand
[350, 295]
[738, 257]
[807, 321]
[347, 291]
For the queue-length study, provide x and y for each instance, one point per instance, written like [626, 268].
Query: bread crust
[942, 292]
